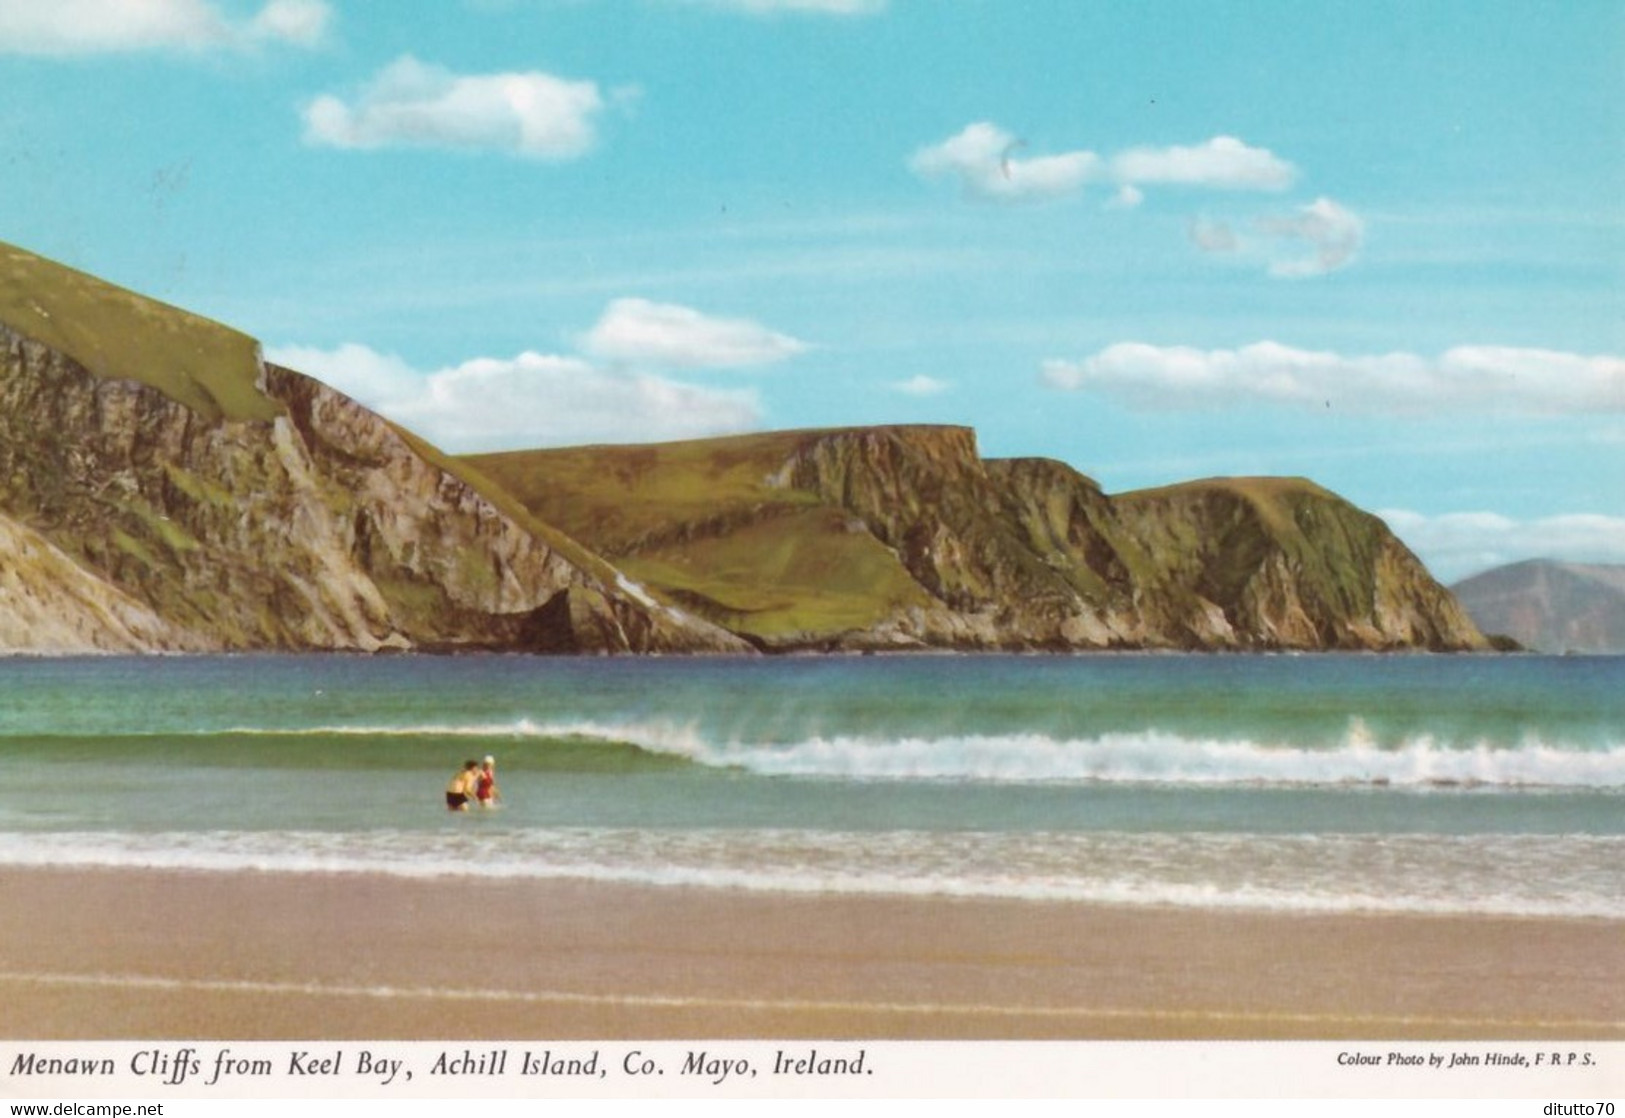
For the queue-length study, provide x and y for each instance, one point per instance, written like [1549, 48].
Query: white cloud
[1455, 545]
[640, 333]
[536, 399]
[77, 27]
[1222, 163]
[301, 22]
[983, 158]
[1332, 233]
[1468, 378]
[921, 385]
[531, 400]
[1314, 239]
[374, 378]
[415, 104]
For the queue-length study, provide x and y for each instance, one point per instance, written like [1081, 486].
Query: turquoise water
[1412, 783]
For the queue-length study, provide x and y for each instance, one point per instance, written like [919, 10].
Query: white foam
[1164, 758]
[1530, 875]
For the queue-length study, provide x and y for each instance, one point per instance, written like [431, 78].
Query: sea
[1302, 783]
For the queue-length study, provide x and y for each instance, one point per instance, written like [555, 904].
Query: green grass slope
[710, 525]
[120, 335]
[629, 496]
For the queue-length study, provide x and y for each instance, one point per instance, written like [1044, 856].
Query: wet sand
[133, 954]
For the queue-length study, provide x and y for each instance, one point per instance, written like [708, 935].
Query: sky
[1379, 245]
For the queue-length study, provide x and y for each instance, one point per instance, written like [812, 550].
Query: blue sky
[1381, 245]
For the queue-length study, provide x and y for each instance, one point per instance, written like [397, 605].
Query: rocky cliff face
[321, 527]
[1017, 554]
[49, 605]
[162, 488]
[1282, 563]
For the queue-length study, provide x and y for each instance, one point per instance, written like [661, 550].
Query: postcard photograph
[529, 526]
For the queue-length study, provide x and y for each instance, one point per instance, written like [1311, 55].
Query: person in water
[485, 784]
[461, 788]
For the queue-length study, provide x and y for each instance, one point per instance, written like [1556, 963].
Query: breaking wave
[1418, 761]
[1151, 757]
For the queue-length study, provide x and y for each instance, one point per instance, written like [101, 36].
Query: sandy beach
[243, 955]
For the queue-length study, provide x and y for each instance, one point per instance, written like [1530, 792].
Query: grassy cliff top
[1274, 498]
[677, 477]
[737, 463]
[624, 492]
[1247, 488]
[712, 524]
[120, 335]
[619, 494]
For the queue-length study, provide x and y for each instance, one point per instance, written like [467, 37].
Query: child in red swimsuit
[485, 785]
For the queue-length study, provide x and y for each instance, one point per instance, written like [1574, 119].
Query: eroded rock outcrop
[163, 488]
[1283, 563]
[52, 606]
[322, 527]
[965, 553]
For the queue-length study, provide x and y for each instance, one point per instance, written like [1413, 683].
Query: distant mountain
[164, 488]
[1550, 606]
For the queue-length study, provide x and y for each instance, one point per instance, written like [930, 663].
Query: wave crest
[1156, 757]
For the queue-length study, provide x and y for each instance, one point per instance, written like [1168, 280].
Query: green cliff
[164, 488]
[246, 506]
[900, 537]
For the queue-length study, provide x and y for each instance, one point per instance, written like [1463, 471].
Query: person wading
[461, 788]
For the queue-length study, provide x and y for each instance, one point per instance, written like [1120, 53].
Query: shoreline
[123, 953]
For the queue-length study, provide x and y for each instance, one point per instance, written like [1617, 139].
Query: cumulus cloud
[531, 400]
[301, 22]
[1320, 237]
[1331, 234]
[985, 159]
[1455, 545]
[78, 27]
[1468, 378]
[921, 385]
[638, 332]
[1222, 163]
[613, 391]
[415, 104]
